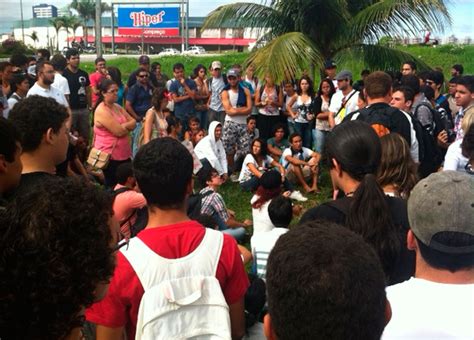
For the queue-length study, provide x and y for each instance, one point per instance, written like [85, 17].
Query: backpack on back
[183, 298]
[195, 204]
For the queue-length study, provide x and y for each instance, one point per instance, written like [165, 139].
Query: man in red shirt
[95, 78]
[163, 169]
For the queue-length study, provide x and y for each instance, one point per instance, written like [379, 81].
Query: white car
[195, 50]
[168, 51]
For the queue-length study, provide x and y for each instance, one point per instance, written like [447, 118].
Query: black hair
[4, 65]
[19, 59]
[163, 169]
[293, 135]
[324, 282]
[71, 52]
[45, 54]
[197, 68]
[103, 86]
[154, 66]
[459, 68]
[172, 121]
[423, 75]
[193, 119]
[56, 250]
[445, 261]
[467, 82]
[263, 148]
[280, 211]
[428, 92]
[10, 136]
[332, 89]
[454, 80]
[251, 117]
[436, 76]
[365, 72]
[357, 149]
[41, 64]
[33, 116]
[178, 66]
[115, 74]
[411, 63]
[59, 62]
[276, 127]
[467, 145]
[207, 221]
[124, 172]
[98, 60]
[407, 92]
[140, 70]
[17, 79]
[412, 82]
[310, 88]
[205, 175]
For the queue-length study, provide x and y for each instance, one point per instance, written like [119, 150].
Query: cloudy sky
[462, 11]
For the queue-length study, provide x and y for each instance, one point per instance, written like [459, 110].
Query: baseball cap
[232, 73]
[443, 202]
[344, 75]
[329, 64]
[216, 64]
[143, 60]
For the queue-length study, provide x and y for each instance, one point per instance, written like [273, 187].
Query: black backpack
[195, 204]
[141, 216]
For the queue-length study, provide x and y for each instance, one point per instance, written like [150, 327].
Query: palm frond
[286, 56]
[398, 17]
[378, 57]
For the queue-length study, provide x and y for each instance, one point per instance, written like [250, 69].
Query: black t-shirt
[29, 180]
[405, 265]
[78, 84]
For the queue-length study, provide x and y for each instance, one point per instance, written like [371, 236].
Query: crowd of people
[113, 227]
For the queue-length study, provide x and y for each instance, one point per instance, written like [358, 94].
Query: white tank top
[233, 96]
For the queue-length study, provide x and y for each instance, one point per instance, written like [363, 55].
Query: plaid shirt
[213, 204]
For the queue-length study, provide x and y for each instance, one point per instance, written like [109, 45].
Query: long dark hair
[197, 69]
[357, 149]
[331, 86]
[310, 88]
[263, 149]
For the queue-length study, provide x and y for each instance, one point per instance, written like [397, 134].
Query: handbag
[99, 159]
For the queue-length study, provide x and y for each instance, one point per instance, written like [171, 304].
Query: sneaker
[296, 195]
[234, 177]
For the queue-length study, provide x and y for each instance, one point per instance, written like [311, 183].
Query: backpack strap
[151, 268]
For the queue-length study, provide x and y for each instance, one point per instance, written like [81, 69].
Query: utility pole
[98, 28]
[22, 23]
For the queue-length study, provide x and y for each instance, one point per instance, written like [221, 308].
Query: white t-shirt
[240, 119]
[423, 309]
[304, 155]
[245, 173]
[454, 160]
[262, 244]
[61, 84]
[261, 219]
[52, 92]
[336, 104]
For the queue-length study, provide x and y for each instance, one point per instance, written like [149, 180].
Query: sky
[462, 12]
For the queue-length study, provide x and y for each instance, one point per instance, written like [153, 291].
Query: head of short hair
[159, 94]
[276, 127]
[292, 136]
[99, 60]
[50, 270]
[249, 118]
[280, 211]
[205, 175]
[263, 148]
[72, 52]
[412, 82]
[10, 137]
[140, 70]
[124, 172]
[33, 116]
[19, 59]
[331, 86]
[41, 64]
[163, 169]
[411, 63]
[45, 54]
[467, 145]
[467, 82]
[378, 84]
[437, 77]
[115, 74]
[408, 93]
[18, 78]
[59, 62]
[428, 92]
[193, 119]
[423, 75]
[397, 168]
[365, 72]
[337, 273]
[454, 80]
[178, 66]
[459, 68]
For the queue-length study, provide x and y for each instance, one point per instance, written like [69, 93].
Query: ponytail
[370, 216]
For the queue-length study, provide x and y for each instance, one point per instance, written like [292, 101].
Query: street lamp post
[22, 22]
[98, 28]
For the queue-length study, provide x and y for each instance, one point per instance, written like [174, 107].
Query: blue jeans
[237, 233]
[320, 138]
[305, 131]
[202, 115]
[291, 128]
[135, 138]
[253, 182]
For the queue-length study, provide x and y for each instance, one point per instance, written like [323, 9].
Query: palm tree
[304, 33]
[34, 36]
[57, 23]
[70, 22]
[86, 10]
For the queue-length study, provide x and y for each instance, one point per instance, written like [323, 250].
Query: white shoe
[296, 195]
[234, 178]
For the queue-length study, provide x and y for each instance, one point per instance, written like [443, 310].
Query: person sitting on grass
[278, 143]
[193, 128]
[301, 164]
[213, 204]
[210, 150]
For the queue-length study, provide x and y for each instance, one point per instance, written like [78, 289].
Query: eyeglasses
[112, 91]
[143, 76]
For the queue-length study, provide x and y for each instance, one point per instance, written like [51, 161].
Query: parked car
[168, 51]
[195, 50]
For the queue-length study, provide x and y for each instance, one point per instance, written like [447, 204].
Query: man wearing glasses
[43, 88]
[138, 102]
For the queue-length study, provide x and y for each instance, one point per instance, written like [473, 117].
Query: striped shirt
[213, 204]
[262, 244]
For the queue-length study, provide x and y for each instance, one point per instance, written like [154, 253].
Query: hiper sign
[148, 21]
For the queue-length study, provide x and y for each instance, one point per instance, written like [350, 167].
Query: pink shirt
[104, 139]
[95, 79]
[125, 204]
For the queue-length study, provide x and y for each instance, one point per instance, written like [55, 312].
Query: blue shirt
[185, 108]
[140, 98]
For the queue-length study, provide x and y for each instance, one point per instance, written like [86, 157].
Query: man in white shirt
[59, 63]
[438, 302]
[43, 88]
[344, 101]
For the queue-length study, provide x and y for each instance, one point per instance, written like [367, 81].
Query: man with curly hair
[58, 255]
[43, 126]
